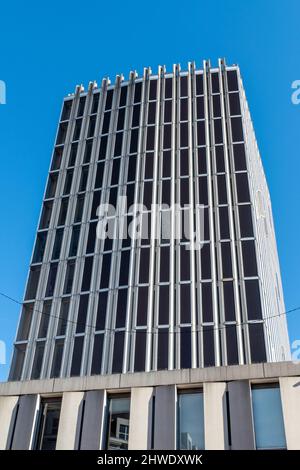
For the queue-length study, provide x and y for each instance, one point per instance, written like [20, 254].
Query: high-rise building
[154, 301]
[181, 147]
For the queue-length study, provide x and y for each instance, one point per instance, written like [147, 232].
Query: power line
[159, 330]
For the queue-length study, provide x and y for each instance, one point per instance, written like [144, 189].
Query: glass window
[51, 186]
[48, 424]
[33, 281]
[82, 313]
[97, 354]
[77, 129]
[81, 106]
[215, 85]
[51, 280]
[69, 277]
[57, 358]
[118, 352]
[234, 103]
[46, 214]
[118, 422]
[162, 348]
[66, 110]
[17, 362]
[25, 323]
[74, 240]
[109, 98]
[253, 299]
[79, 208]
[63, 317]
[105, 271]
[95, 103]
[208, 346]
[140, 350]
[237, 129]
[39, 247]
[168, 88]
[77, 356]
[268, 417]
[190, 414]
[38, 360]
[87, 273]
[246, 225]
[62, 132]
[45, 317]
[232, 80]
[63, 211]
[68, 182]
[249, 258]
[57, 157]
[257, 342]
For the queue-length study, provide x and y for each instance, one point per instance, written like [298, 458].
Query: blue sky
[46, 49]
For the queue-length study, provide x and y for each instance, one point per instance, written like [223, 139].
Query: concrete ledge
[153, 378]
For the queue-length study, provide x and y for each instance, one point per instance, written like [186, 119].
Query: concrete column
[165, 417]
[242, 434]
[25, 422]
[140, 427]
[70, 421]
[93, 420]
[290, 396]
[8, 407]
[215, 416]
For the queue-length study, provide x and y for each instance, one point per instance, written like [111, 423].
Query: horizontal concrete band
[149, 379]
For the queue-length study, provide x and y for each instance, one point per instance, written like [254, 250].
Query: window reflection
[118, 422]
[48, 426]
[190, 420]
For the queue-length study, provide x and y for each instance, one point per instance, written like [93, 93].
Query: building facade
[197, 283]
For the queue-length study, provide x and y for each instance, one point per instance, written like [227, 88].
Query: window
[74, 240]
[268, 417]
[68, 182]
[57, 156]
[73, 153]
[118, 422]
[62, 132]
[25, 323]
[45, 317]
[33, 281]
[79, 208]
[63, 317]
[69, 277]
[51, 280]
[82, 313]
[48, 424]
[66, 110]
[51, 186]
[57, 358]
[63, 211]
[38, 360]
[46, 215]
[83, 178]
[39, 247]
[190, 415]
[57, 243]
[77, 356]
[17, 362]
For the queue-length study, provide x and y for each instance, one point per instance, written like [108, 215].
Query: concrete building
[155, 251]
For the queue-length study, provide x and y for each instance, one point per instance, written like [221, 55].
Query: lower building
[254, 406]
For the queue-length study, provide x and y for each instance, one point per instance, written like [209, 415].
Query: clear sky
[49, 47]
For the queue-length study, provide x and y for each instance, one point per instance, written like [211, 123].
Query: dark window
[134, 140]
[17, 362]
[201, 132]
[237, 129]
[77, 356]
[184, 192]
[199, 84]
[136, 115]
[232, 80]
[121, 119]
[48, 424]
[207, 304]
[63, 317]
[123, 96]
[97, 355]
[79, 208]
[144, 265]
[46, 215]
[217, 105]
[167, 136]
[249, 258]
[162, 348]
[45, 318]
[184, 263]
[203, 191]
[57, 157]
[51, 186]
[185, 348]
[234, 103]
[77, 129]
[205, 261]
[215, 85]
[183, 86]
[184, 136]
[254, 307]
[109, 98]
[220, 163]
[242, 187]
[168, 111]
[68, 182]
[118, 144]
[118, 352]
[239, 157]
[25, 323]
[166, 192]
[231, 342]
[95, 205]
[167, 164]
[200, 108]
[81, 106]
[62, 132]
[184, 163]
[229, 301]
[101, 311]
[132, 167]
[95, 103]
[164, 273]
[257, 342]
[63, 211]
[91, 128]
[121, 308]
[105, 270]
[142, 306]
[87, 273]
[163, 308]
[218, 131]
[185, 303]
[130, 195]
[246, 224]
[147, 194]
[226, 259]
[73, 154]
[38, 360]
[103, 147]
[115, 171]
[208, 346]
[140, 350]
[184, 110]
[151, 113]
[51, 280]
[152, 90]
[168, 88]
[82, 313]
[222, 193]
[150, 138]
[66, 110]
[148, 166]
[88, 151]
[138, 92]
[90, 248]
[202, 168]
[39, 247]
[99, 175]
[57, 358]
[224, 223]
[74, 240]
[106, 121]
[69, 277]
